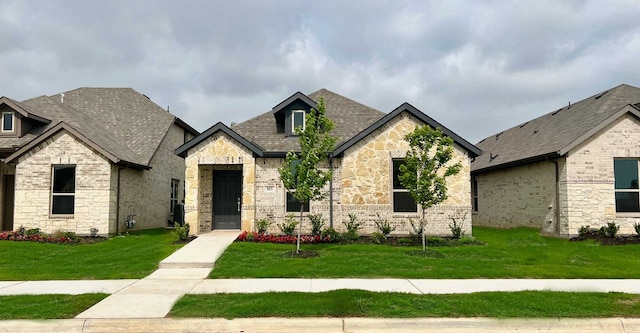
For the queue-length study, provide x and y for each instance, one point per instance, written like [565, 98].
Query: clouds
[477, 67]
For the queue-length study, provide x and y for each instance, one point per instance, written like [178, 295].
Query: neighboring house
[232, 174]
[88, 158]
[570, 168]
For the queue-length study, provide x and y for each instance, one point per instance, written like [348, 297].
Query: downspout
[331, 191]
[557, 197]
[118, 200]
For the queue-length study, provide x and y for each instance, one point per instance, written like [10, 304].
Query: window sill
[628, 215]
[61, 216]
[406, 214]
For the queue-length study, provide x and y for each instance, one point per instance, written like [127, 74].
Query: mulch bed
[618, 240]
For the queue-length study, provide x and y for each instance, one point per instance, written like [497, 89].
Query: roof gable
[183, 150]
[23, 110]
[297, 96]
[555, 133]
[472, 150]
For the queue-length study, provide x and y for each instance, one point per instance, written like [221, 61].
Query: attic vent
[481, 141]
[492, 157]
[554, 113]
[601, 94]
[497, 135]
[523, 125]
[535, 132]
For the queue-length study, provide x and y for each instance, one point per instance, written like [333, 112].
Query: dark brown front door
[8, 202]
[227, 199]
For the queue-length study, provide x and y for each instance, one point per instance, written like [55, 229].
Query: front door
[227, 199]
[8, 202]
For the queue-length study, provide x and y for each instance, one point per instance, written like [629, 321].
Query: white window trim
[52, 194]
[293, 120]
[13, 122]
[627, 190]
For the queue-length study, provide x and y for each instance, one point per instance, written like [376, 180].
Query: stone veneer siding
[590, 198]
[517, 196]
[33, 187]
[217, 152]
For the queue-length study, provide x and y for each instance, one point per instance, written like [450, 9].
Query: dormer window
[298, 119]
[7, 122]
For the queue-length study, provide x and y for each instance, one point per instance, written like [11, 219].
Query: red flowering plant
[250, 236]
[34, 235]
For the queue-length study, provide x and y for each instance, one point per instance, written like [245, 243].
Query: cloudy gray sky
[477, 67]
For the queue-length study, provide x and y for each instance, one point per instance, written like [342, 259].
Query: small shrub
[610, 230]
[352, 229]
[636, 227]
[378, 237]
[288, 227]
[383, 226]
[317, 222]
[33, 232]
[456, 229]
[435, 241]
[405, 241]
[584, 232]
[65, 234]
[331, 234]
[262, 225]
[181, 232]
[251, 236]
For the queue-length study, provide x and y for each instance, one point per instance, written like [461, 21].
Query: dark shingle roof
[349, 117]
[550, 135]
[121, 121]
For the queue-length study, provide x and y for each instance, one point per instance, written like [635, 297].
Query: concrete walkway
[155, 295]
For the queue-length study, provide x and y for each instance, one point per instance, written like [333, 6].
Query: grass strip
[46, 306]
[121, 257]
[358, 303]
[508, 253]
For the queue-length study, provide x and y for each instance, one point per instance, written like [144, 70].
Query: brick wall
[33, 186]
[517, 196]
[147, 193]
[590, 178]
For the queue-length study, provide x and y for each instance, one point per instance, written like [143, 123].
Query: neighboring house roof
[554, 134]
[353, 121]
[121, 123]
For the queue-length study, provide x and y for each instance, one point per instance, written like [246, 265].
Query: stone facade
[361, 184]
[145, 193]
[218, 151]
[526, 195]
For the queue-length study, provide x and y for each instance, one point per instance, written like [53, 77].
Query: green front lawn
[122, 257]
[358, 303]
[46, 306]
[508, 253]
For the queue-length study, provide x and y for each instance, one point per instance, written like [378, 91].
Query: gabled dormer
[292, 113]
[16, 119]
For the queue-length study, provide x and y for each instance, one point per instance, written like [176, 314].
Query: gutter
[118, 199]
[557, 196]
[331, 191]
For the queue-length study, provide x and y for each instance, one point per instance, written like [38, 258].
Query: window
[402, 201]
[7, 121]
[474, 194]
[63, 189]
[175, 184]
[293, 205]
[298, 119]
[626, 185]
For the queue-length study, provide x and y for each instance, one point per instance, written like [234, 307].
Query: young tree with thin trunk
[300, 172]
[426, 168]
